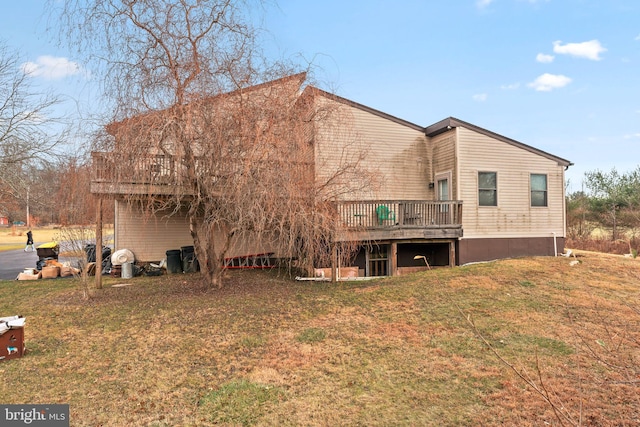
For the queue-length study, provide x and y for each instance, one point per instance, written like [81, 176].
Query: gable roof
[439, 127]
[312, 90]
[295, 80]
[452, 122]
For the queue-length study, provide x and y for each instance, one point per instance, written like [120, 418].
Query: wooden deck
[378, 220]
[118, 174]
[371, 220]
[115, 173]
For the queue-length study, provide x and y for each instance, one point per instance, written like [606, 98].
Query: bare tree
[26, 119]
[75, 239]
[30, 132]
[234, 156]
[75, 205]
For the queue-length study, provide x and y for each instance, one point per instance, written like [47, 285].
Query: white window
[538, 189]
[487, 189]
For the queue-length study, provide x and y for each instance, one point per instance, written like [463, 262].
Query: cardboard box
[66, 271]
[344, 272]
[50, 272]
[348, 272]
[12, 344]
[27, 276]
[91, 269]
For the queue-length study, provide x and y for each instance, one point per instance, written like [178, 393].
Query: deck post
[394, 259]
[99, 244]
[334, 263]
[452, 253]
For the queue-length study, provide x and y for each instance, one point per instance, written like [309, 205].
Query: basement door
[377, 261]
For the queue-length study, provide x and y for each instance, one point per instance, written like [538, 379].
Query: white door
[444, 194]
[443, 189]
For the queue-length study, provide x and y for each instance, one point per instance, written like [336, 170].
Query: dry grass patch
[15, 237]
[432, 348]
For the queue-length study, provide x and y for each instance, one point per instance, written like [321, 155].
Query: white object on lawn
[121, 256]
[11, 322]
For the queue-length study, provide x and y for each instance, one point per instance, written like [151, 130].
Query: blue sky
[560, 75]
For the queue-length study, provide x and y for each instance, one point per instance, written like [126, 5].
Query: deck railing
[400, 213]
[148, 169]
[161, 171]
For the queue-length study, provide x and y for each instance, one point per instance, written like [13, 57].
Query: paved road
[14, 262]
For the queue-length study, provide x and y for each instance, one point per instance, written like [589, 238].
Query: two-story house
[446, 194]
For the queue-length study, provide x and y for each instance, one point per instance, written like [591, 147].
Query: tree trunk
[615, 225]
[99, 244]
[200, 248]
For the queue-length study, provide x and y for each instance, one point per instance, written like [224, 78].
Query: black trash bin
[90, 250]
[174, 261]
[189, 260]
[46, 252]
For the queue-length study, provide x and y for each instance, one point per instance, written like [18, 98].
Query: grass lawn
[512, 343]
[16, 237]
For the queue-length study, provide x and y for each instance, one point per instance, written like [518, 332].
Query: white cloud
[545, 59]
[632, 136]
[480, 97]
[512, 86]
[51, 68]
[548, 82]
[481, 4]
[637, 37]
[589, 50]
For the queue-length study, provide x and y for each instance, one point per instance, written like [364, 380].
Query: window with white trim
[538, 189]
[487, 189]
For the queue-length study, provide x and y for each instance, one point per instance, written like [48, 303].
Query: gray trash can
[127, 270]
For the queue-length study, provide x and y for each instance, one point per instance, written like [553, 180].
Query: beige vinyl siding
[444, 160]
[514, 216]
[149, 237]
[395, 156]
[248, 244]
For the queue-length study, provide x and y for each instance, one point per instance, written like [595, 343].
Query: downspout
[564, 203]
[98, 278]
[430, 173]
